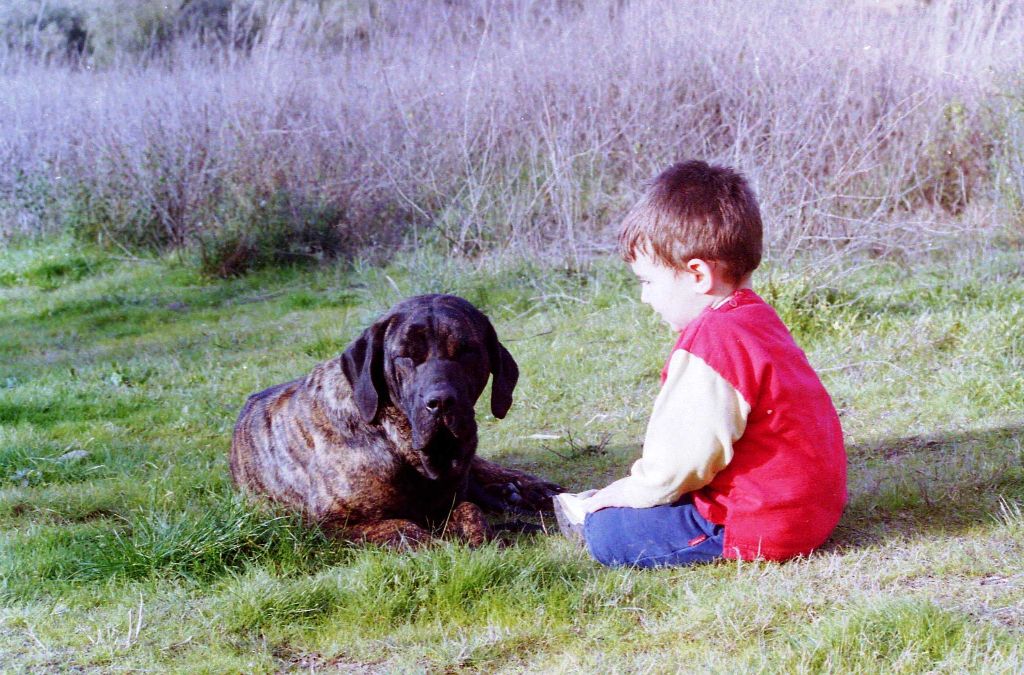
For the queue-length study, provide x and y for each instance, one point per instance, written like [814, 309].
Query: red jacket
[785, 488]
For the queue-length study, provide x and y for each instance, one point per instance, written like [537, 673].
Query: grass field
[487, 148]
[123, 547]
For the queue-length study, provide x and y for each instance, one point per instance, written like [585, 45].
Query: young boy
[743, 455]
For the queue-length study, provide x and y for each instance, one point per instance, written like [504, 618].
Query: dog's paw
[526, 495]
[536, 494]
[467, 523]
[392, 533]
[498, 489]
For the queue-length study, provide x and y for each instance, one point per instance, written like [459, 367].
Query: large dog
[379, 444]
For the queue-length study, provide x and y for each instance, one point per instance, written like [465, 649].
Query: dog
[379, 444]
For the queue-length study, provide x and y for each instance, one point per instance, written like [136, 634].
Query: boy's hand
[606, 497]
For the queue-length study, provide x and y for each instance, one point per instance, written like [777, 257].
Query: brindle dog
[379, 444]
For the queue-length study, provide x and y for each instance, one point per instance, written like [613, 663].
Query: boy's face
[677, 296]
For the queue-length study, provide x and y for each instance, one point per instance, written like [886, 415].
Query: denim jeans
[661, 536]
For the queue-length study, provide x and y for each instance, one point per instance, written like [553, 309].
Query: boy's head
[694, 210]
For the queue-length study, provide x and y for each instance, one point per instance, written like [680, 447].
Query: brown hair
[696, 210]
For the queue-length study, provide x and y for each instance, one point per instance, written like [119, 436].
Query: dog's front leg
[497, 488]
[467, 523]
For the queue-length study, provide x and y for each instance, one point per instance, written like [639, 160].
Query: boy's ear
[704, 273]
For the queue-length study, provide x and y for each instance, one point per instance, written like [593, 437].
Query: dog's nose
[439, 401]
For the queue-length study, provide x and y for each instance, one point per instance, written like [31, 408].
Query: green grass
[124, 547]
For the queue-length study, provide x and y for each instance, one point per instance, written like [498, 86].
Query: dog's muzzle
[441, 427]
[438, 402]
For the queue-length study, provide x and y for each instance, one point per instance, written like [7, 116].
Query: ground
[124, 547]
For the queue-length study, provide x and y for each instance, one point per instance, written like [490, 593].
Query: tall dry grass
[486, 124]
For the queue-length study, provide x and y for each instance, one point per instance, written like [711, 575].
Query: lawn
[124, 547]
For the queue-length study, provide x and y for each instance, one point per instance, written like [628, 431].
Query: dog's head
[430, 357]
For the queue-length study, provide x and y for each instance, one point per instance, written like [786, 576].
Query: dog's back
[262, 460]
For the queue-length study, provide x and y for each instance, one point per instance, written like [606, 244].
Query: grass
[123, 546]
[311, 131]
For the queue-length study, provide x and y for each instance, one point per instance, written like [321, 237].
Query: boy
[743, 455]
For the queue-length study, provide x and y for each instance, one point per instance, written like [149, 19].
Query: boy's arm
[697, 417]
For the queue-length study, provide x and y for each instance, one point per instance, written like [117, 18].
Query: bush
[282, 229]
[1009, 172]
[516, 124]
[45, 32]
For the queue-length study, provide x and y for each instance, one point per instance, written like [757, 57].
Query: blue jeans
[661, 536]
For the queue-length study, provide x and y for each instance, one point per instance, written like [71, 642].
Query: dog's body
[379, 444]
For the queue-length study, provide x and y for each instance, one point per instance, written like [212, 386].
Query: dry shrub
[491, 124]
[280, 229]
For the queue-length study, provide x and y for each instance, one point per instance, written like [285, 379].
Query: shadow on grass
[902, 488]
[574, 468]
[899, 487]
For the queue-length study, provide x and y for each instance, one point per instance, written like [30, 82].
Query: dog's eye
[466, 350]
[415, 348]
[414, 355]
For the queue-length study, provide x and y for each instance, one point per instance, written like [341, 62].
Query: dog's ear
[504, 374]
[363, 364]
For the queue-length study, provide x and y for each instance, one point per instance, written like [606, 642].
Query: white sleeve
[697, 417]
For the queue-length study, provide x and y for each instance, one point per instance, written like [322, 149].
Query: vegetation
[168, 169]
[483, 125]
[122, 544]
